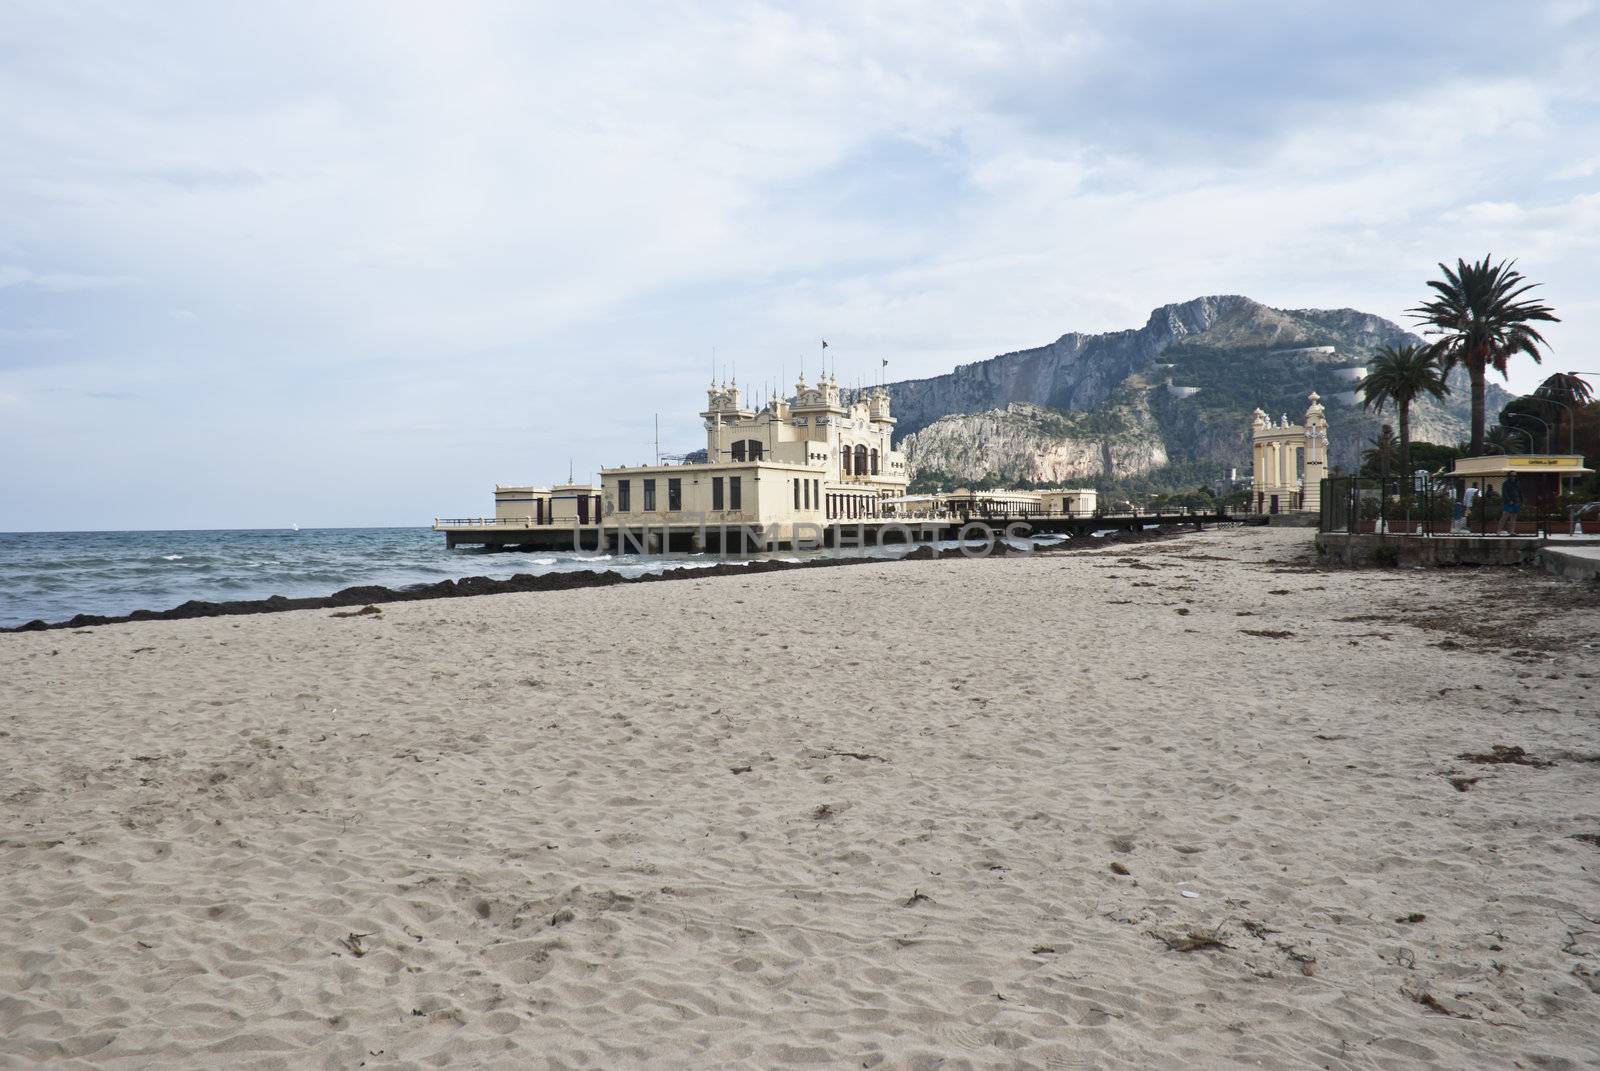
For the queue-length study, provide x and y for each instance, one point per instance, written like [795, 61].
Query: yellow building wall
[521, 503]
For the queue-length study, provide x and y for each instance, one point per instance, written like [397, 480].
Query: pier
[718, 535]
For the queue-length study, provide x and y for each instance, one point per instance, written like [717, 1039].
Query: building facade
[1290, 461]
[565, 503]
[818, 460]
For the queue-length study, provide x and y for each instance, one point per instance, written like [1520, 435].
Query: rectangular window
[674, 495]
[795, 484]
[716, 492]
[808, 494]
[816, 492]
[649, 496]
[624, 496]
[735, 495]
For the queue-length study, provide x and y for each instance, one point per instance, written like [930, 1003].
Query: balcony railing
[486, 522]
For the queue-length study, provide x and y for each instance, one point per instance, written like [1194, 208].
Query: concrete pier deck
[695, 536]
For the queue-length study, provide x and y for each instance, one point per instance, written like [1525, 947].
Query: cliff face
[1179, 389]
[1026, 442]
[1074, 372]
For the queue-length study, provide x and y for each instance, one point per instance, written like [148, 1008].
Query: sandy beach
[1195, 802]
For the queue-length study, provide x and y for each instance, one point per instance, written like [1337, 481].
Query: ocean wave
[172, 557]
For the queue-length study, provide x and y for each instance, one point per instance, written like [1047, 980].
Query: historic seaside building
[1290, 461]
[819, 460]
[817, 469]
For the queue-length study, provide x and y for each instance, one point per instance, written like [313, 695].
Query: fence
[1399, 506]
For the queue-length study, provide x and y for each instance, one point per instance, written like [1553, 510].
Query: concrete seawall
[1576, 563]
[1576, 560]
[1368, 549]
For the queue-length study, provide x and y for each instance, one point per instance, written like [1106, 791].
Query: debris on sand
[1306, 961]
[366, 611]
[864, 756]
[352, 942]
[1192, 941]
[1462, 784]
[1433, 1004]
[1118, 868]
[917, 897]
[1268, 633]
[1503, 755]
[1414, 917]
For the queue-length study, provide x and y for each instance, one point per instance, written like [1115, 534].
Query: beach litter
[1503, 755]
[1192, 941]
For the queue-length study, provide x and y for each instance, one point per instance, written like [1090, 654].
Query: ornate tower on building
[1316, 455]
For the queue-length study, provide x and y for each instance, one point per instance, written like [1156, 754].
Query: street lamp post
[1548, 430]
[1571, 420]
[1524, 431]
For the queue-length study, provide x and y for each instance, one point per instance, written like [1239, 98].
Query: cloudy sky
[340, 263]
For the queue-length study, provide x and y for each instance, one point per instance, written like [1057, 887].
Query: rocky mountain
[1176, 393]
[1026, 443]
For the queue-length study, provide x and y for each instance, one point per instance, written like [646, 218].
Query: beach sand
[921, 814]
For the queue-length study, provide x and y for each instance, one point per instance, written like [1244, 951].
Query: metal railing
[486, 522]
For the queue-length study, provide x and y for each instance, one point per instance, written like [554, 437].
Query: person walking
[1510, 505]
[1463, 508]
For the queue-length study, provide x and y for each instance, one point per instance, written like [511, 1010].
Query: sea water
[53, 575]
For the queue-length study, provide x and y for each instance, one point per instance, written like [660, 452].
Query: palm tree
[1400, 375]
[1483, 321]
[1382, 453]
[1566, 387]
[1507, 440]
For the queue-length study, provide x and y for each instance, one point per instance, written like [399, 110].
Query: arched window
[874, 456]
[738, 450]
[753, 449]
[844, 461]
[861, 460]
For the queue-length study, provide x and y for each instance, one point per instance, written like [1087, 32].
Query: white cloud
[386, 216]
[16, 275]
